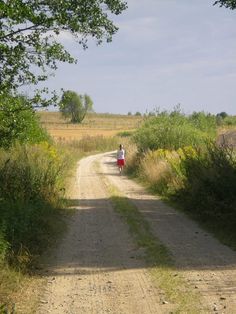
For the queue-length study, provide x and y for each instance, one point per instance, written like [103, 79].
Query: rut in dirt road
[98, 269]
[209, 266]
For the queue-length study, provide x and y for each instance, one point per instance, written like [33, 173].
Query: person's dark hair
[121, 146]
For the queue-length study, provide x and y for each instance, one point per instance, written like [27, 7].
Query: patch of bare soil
[98, 269]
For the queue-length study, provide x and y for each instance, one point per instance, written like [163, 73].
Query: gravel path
[204, 262]
[98, 269]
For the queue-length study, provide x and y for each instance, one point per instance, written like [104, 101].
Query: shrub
[202, 180]
[18, 122]
[229, 121]
[31, 179]
[30, 172]
[204, 122]
[168, 131]
[210, 185]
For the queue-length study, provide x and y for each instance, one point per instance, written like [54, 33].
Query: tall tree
[75, 106]
[30, 44]
[231, 4]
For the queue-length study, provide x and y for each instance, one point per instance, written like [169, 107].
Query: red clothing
[120, 162]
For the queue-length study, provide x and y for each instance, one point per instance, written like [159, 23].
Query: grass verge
[157, 257]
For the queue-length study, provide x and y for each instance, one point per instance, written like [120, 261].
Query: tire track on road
[98, 268]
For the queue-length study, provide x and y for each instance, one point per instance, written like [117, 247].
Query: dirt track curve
[98, 269]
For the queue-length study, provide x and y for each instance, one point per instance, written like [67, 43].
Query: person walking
[121, 158]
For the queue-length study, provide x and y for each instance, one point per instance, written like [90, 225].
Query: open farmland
[94, 124]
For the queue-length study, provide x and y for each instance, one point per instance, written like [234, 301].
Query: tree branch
[19, 31]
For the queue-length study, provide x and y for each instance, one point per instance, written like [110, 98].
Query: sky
[166, 52]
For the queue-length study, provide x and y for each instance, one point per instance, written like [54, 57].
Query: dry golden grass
[107, 125]
[156, 170]
[78, 134]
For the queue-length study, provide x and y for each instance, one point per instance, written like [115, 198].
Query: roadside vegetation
[33, 168]
[177, 157]
[34, 175]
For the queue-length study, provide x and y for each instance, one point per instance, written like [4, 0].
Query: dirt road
[98, 268]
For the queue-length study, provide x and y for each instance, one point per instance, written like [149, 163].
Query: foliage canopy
[18, 122]
[231, 4]
[29, 35]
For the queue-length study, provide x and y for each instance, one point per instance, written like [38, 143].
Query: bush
[169, 131]
[229, 121]
[31, 179]
[210, 185]
[202, 181]
[204, 122]
[19, 123]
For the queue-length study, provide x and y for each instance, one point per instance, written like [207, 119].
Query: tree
[75, 106]
[19, 122]
[231, 4]
[220, 117]
[222, 114]
[29, 36]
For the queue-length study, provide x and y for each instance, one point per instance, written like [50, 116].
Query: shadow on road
[98, 240]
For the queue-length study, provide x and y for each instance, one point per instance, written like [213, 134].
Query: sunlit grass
[106, 125]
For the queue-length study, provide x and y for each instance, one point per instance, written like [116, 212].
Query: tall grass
[89, 144]
[209, 191]
[201, 181]
[33, 184]
[177, 158]
[31, 179]
[32, 187]
[161, 169]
